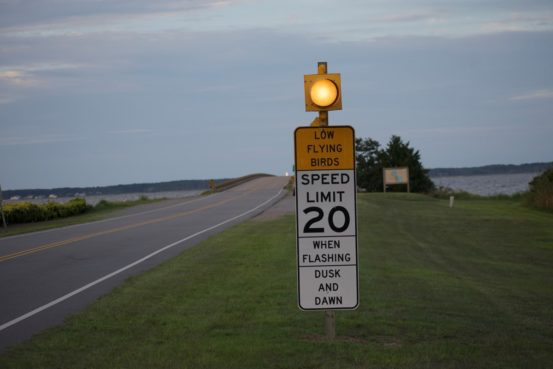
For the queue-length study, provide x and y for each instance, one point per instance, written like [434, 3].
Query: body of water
[490, 184]
[94, 199]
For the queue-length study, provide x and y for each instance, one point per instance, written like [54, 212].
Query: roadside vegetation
[463, 287]
[27, 212]
[27, 217]
[445, 192]
[539, 195]
[371, 160]
[541, 191]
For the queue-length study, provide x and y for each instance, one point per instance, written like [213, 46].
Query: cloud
[469, 130]
[17, 78]
[29, 14]
[351, 19]
[130, 131]
[38, 139]
[405, 17]
[236, 90]
[519, 22]
[535, 95]
[10, 74]
[23, 79]
[26, 71]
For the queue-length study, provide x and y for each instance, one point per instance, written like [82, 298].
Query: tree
[371, 160]
[368, 151]
[541, 190]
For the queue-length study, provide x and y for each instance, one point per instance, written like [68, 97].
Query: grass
[446, 192]
[102, 210]
[467, 287]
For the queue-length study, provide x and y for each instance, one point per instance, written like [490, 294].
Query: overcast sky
[98, 92]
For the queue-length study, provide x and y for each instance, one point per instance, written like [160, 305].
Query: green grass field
[468, 287]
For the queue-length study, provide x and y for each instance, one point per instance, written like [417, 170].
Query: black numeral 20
[320, 214]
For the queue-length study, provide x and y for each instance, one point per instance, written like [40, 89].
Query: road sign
[326, 218]
[394, 176]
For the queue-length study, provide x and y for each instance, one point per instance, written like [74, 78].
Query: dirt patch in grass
[286, 206]
[321, 338]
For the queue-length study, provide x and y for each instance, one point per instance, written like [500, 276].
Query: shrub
[541, 190]
[23, 212]
[27, 212]
[103, 204]
[442, 192]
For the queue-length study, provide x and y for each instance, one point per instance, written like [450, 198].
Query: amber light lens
[324, 92]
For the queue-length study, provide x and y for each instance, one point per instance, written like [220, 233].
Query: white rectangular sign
[326, 218]
[396, 175]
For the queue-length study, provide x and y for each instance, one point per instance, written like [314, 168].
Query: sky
[101, 92]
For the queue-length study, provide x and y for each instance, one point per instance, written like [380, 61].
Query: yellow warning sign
[320, 148]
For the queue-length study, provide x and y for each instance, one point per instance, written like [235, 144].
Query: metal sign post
[2, 210]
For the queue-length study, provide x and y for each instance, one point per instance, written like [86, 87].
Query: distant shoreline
[141, 188]
[490, 169]
[203, 184]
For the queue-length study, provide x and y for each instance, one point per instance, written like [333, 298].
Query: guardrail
[235, 182]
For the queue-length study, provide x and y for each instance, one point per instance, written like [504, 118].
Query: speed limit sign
[326, 218]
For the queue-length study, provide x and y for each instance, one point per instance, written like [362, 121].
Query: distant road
[45, 276]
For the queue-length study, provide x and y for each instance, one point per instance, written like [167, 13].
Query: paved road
[45, 276]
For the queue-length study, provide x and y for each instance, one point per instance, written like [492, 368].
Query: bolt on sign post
[326, 214]
[395, 176]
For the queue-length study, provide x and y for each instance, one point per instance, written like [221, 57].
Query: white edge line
[118, 271]
[109, 219]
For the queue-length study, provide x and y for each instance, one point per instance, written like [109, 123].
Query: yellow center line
[113, 230]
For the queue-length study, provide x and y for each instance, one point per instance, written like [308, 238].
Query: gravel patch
[287, 205]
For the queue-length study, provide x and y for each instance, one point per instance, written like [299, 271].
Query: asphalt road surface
[45, 276]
